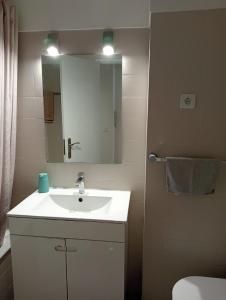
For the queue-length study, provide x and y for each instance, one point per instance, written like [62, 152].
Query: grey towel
[194, 176]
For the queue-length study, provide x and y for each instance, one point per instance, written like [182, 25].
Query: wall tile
[134, 86]
[30, 107]
[134, 65]
[30, 128]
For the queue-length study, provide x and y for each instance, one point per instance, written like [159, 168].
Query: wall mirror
[82, 108]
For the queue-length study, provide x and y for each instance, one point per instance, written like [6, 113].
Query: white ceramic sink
[59, 203]
[81, 203]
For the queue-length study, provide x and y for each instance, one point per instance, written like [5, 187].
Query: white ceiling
[38, 15]
[177, 5]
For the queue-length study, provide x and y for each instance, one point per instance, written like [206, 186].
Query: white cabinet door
[39, 270]
[95, 270]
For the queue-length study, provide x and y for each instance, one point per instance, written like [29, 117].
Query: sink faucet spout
[80, 183]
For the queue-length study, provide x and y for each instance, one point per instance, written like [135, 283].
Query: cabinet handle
[71, 249]
[60, 248]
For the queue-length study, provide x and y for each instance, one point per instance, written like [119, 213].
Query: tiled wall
[185, 236]
[30, 158]
[6, 289]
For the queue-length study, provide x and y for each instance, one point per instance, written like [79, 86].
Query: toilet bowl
[200, 288]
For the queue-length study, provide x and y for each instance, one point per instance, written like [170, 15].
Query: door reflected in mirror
[82, 108]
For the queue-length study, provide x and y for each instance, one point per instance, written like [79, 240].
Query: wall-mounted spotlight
[108, 47]
[51, 44]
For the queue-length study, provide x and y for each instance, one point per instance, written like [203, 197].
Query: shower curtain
[8, 106]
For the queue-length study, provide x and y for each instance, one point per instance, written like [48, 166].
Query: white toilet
[200, 288]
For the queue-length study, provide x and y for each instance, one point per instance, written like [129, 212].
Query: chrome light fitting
[51, 44]
[108, 46]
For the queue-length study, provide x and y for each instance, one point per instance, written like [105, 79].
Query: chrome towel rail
[153, 157]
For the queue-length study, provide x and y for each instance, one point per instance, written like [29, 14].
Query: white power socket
[187, 101]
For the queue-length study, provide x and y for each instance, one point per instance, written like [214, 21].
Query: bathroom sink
[80, 203]
[59, 203]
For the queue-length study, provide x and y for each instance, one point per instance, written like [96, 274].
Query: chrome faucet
[80, 183]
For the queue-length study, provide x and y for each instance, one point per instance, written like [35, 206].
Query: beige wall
[30, 159]
[185, 236]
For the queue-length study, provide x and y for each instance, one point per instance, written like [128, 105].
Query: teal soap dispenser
[43, 183]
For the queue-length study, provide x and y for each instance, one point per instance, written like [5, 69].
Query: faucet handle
[80, 176]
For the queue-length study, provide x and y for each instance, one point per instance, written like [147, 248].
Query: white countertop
[63, 203]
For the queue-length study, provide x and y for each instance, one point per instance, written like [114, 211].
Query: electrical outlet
[187, 101]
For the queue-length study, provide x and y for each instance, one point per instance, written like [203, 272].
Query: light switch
[187, 101]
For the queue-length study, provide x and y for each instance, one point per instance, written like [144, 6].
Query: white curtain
[8, 106]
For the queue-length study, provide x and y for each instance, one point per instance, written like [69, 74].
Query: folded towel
[194, 176]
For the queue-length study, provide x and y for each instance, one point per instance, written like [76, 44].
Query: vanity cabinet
[67, 249]
[69, 268]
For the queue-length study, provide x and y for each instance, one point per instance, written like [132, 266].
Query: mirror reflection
[82, 108]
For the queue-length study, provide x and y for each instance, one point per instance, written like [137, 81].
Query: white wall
[47, 15]
[177, 5]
